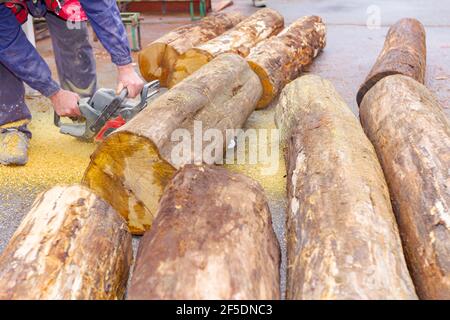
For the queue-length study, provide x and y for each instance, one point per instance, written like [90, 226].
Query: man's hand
[128, 78]
[65, 103]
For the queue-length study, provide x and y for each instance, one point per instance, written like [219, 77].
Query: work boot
[259, 3]
[13, 147]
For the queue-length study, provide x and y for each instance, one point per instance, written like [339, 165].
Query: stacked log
[212, 239]
[280, 59]
[71, 245]
[411, 135]
[132, 166]
[158, 59]
[259, 26]
[342, 238]
[404, 52]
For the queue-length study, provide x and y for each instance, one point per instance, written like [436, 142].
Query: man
[20, 62]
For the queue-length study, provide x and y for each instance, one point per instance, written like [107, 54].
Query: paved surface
[352, 47]
[351, 50]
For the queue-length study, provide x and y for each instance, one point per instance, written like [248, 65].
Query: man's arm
[21, 58]
[104, 17]
[105, 20]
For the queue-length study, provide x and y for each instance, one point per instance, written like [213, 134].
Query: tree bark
[212, 239]
[71, 245]
[404, 52]
[132, 166]
[411, 135]
[259, 26]
[158, 59]
[280, 59]
[342, 238]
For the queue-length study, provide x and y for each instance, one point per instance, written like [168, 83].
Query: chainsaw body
[104, 112]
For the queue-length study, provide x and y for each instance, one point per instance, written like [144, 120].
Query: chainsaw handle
[57, 118]
[154, 87]
[123, 94]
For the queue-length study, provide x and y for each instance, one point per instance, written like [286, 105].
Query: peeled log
[404, 52]
[280, 59]
[132, 166]
[342, 238]
[71, 245]
[212, 239]
[259, 26]
[411, 135]
[158, 59]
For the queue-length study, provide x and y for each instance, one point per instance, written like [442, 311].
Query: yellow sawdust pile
[274, 184]
[53, 158]
[60, 159]
[13, 141]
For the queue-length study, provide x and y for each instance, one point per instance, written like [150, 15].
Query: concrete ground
[352, 47]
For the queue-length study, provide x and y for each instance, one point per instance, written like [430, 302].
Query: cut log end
[239, 40]
[280, 59]
[114, 171]
[268, 87]
[187, 64]
[156, 61]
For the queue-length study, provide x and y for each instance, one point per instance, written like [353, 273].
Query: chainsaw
[105, 112]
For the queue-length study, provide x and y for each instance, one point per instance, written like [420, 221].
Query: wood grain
[71, 245]
[157, 60]
[280, 59]
[411, 135]
[342, 237]
[212, 239]
[404, 52]
[132, 166]
[239, 40]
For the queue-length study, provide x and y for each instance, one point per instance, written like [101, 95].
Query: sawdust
[273, 184]
[53, 158]
[11, 142]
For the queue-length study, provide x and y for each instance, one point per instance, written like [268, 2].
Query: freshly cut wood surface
[259, 26]
[404, 52]
[281, 58]
[411, 135]
[212, 239]
[71, 245]
[342, 237]
[133, 165]
[157, 60]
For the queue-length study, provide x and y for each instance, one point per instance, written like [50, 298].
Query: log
[71, 245]
[132, 166]
[411, 135]
[404, 52]
[212, 239]
[280, 59]
[342, 238]
[259, 26]
[158, 59]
